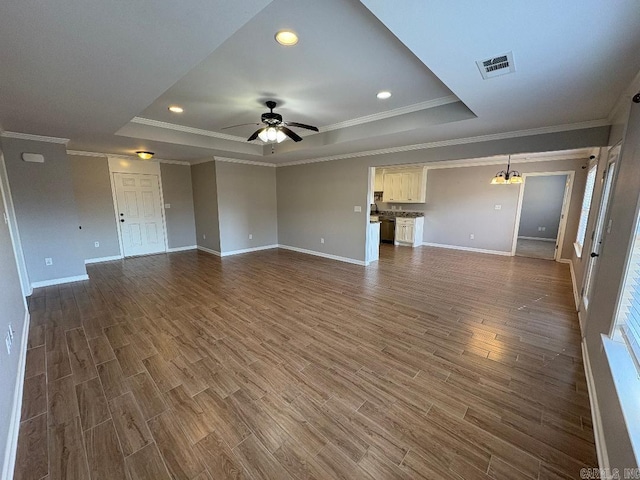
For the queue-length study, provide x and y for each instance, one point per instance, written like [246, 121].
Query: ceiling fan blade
[302, 125]
[255, 134]
[291, 134]
[241, 125]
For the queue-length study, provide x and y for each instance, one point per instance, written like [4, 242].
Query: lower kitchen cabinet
[409, 231]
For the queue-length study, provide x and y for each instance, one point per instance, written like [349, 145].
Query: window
[628, 319]
[586, 205]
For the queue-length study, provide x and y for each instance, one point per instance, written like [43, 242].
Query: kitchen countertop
[398, 213]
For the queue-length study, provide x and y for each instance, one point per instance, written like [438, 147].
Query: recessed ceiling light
[287, 38]
[383, 95]
[144, 155]
[176, 109]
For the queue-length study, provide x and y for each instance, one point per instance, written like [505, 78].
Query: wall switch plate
[357, 208]
[96, 244]
[544, 229]
[322, 240]
[498, 207]
[204, 237]
[48, 261]
[472, 236]
[250, 236]
[167, 205]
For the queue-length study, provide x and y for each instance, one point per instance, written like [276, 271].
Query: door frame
[122, 165]
[613, 156]
[566, 201]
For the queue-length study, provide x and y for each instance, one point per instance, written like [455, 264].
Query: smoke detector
[496, 66]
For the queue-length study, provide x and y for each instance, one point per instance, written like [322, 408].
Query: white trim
[182, 128]
[208, 250]
[248, 250]
[457, 141]
[16, 409]
[181, 249]
[574, 283]
[596, 418]
[34, 138]
[58, 281]
[202, 160]
[416, 107]
[244, 162]
[467, 249]
[538, 238]
[102, 259]
[323, 255]
[14, 232]
[80, 153]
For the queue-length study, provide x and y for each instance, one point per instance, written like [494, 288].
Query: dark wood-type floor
[277, 365]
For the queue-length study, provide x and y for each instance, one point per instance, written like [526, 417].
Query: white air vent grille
[496, 66]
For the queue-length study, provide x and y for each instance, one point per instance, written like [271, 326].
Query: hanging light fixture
[507, 177]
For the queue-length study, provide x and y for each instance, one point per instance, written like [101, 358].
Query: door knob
[594, 254]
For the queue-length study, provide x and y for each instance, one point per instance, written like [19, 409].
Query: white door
[139, 213]
[598, 231]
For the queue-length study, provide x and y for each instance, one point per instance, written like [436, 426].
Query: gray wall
[12, 311]
[92, 189]
[178, 192]
[317, 199]
[599, 318]
[246, 205]
[45, 208]
[205, 205]
[542, 206]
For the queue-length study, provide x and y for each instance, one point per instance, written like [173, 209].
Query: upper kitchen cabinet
[405, 185]
[379, 180]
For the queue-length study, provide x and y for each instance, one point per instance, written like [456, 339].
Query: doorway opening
[542, 217]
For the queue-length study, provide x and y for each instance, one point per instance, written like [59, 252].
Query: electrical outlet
[204, 237]
[357, 208]
[250, 236]
[96, 244]
[544, 229]
[498, 207]
[399, 207]
[322, 240]
[48, 261]
[167, 205]
[472, 236]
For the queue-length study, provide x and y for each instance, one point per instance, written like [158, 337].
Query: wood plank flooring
[277, 365]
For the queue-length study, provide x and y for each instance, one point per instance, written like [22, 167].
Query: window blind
[629, 310]
[586, 204]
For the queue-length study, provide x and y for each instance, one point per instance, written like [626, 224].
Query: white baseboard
[16, 410]
[538, 238]
[596, 418]
[208, 250]
[181, 249]
[324, 255]
[467, 249]
[576, 295]
[58, 281]
[248, 250]
[102, 259]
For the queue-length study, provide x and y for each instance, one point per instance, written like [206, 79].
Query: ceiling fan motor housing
[271, 118]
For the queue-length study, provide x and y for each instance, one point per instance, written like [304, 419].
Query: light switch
[357, 208]
[498, 207]
[167, 205]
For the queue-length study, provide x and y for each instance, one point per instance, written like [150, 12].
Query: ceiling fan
[275, 128]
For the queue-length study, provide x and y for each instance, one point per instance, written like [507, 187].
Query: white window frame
[587, 200]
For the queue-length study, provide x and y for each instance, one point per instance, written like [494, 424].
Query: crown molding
[79, 153]
[182, 128]
[625, 97]
[392, 113]
[456, 141]
[244, 162]
[35, 138]
[202, 160]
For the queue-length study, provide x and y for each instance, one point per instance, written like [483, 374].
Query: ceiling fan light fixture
[280, 136]
[287, 38]
[144, 155]
[383, 95]
[263, 135]
[272, 134]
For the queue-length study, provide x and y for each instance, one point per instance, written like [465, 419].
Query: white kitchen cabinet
[406, 185]
[379, 180]
[409, 231]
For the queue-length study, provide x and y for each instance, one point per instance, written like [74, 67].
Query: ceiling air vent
[496, 66]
